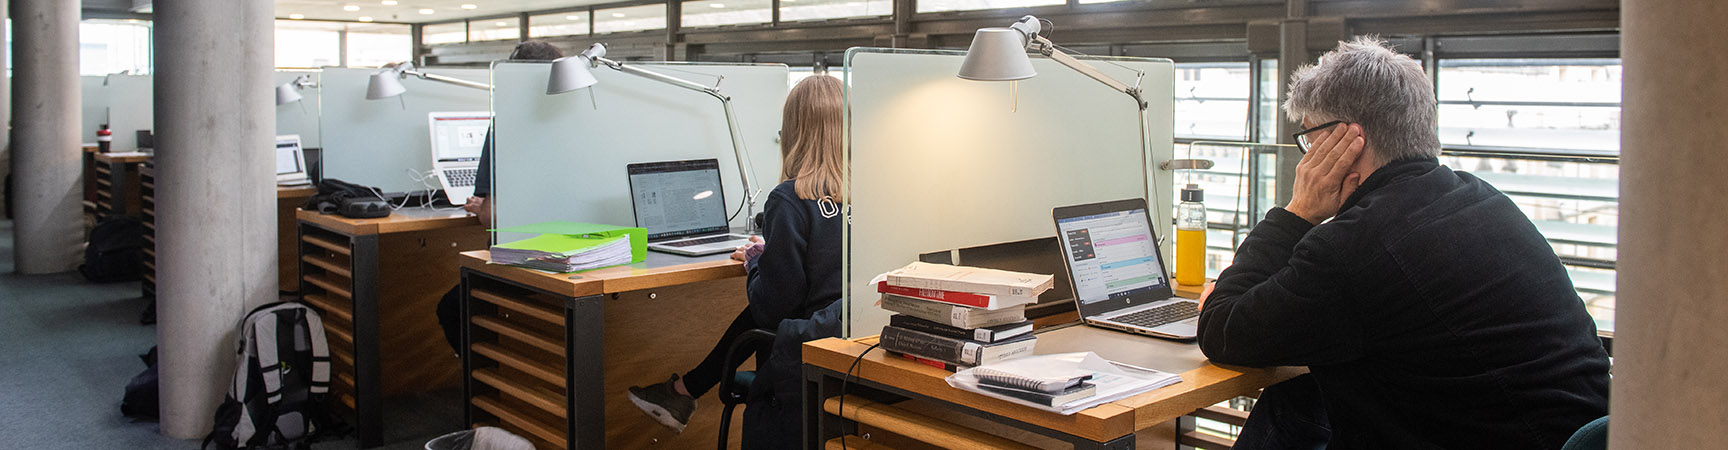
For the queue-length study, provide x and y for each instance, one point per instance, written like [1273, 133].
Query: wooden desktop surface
[300, 192]
[402, 220]
[657, 271]
[130, 157]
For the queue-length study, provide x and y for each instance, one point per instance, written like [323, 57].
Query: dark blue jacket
[1430, 311]
[795, 284]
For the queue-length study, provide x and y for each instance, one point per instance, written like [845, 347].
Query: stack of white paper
[1115, 380]
[611, 253]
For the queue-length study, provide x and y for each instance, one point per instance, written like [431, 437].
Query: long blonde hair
[810, 139]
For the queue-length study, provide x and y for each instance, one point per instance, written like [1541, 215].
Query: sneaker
[664, 404]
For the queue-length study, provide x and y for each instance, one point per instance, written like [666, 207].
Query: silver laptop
[457, 140]
[681, 205]
[290, 161]
[1118, 273]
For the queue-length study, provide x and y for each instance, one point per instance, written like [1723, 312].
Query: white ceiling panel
[416, 11]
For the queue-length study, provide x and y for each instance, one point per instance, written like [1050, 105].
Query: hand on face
[1324, 178]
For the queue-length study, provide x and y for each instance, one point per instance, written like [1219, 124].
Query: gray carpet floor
[68, 348]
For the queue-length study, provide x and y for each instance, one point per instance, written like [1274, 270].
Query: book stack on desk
[954, 317]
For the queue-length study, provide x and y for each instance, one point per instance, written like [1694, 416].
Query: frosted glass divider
[93, 100]
[131, 107]
[379, 142]
[301, 117]
[563, 156]
[939, 163]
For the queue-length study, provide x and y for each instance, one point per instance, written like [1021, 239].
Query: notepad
[1114, 381]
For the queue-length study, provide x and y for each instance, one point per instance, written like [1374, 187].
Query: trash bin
[483, 438]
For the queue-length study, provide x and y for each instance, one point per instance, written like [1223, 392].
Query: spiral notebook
[1112, 380]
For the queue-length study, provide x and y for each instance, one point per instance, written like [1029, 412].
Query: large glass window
[373, 45]
[709, 13]
[573, 23]
[308, 44]
[1212, 100]
[632, 18]
[444, 33]
[798, 10]
[106, 47]
[506, 28]
[967, 5]
[1567, 105]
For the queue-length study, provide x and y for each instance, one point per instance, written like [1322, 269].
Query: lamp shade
[384, 84]
[997, 54]
[570, 73]
[287, 93]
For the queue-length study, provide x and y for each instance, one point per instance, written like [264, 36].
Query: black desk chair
[735, 384]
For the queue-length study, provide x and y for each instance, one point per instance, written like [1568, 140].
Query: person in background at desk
[793, 277]
[450, 307]
[1429, 310]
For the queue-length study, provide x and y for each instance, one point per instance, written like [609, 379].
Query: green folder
[566, 237]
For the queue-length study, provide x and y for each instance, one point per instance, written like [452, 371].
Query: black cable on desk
[844, 381]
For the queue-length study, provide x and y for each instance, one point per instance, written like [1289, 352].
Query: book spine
[958, 286]
[948, 366]
[935, 312]
[926, 326]
[901, 340]
[937, 295]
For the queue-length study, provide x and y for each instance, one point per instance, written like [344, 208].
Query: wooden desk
[881, 379]
[550, 356]
[377, 283]
[288, 202]
[117, 184]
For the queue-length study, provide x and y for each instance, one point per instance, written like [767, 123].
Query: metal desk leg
[117, 189]
[584, 371]
[368, 401]
[466, 351]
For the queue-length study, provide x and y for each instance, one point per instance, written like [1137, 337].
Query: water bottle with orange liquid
[1191, 237]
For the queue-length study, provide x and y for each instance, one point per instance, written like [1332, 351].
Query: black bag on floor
[116, 251]
[142, 398]
[281, 383]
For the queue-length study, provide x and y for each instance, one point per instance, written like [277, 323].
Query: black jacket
[794, 284]
[1430, 311]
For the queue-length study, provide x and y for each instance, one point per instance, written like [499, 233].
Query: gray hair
[1365, 82]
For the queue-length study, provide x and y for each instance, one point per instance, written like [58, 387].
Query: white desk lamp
[999, 54]
[387, 82]
[573, 73]
[290, 92]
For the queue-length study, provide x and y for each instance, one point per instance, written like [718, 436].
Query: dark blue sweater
[1431, 313]
[799, 269]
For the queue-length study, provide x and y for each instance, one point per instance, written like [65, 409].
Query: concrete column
[45, 174]
[215, 200]
[1292, 54]
[1669, 353]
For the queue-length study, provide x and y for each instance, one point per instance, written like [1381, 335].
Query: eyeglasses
[1302, 136]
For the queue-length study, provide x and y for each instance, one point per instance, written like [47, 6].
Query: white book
[1114, 380]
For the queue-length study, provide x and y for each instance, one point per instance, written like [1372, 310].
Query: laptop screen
[459, 136]
[678, 198]
[288, 159]
[1112, 254]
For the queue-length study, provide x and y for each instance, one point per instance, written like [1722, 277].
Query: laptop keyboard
[1163, 315]
[706, 240]
[460, 177]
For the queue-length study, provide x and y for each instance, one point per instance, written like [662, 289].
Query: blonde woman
[794, 269]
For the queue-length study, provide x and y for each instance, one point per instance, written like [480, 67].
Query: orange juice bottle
[1191, 237]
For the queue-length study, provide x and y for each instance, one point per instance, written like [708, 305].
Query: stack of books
[955, 317]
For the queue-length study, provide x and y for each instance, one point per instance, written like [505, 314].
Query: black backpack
[281, 383]
[116, 251]
[142, 396]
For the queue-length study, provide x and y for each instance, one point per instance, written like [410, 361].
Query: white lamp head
[387, 82]
[999, 54]
[574, 72]
[287, 93]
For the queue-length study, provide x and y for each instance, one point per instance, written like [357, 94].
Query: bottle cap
[1193, 193]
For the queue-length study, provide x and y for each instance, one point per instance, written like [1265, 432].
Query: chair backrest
[1591, 436]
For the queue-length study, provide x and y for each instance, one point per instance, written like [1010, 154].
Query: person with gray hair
[1429, 311]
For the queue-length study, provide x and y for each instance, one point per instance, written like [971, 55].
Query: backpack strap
[265, 339]
[320, 353]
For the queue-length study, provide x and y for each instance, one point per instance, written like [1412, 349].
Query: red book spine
[957, 298]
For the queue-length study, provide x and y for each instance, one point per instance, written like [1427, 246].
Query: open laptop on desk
[1118, 273]
[457, 140]
[682, 206]
[290, 162]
